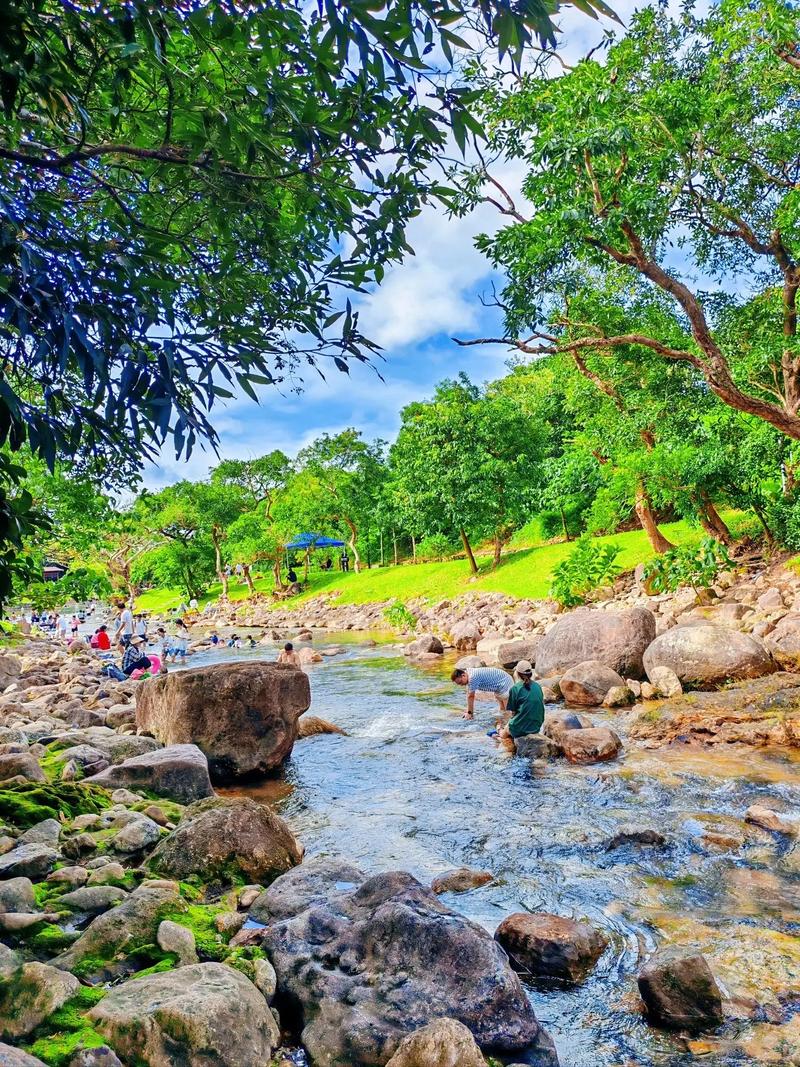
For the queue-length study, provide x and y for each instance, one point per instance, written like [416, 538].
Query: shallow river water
[415, 787]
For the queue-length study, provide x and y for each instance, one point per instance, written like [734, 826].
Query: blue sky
[422, 303]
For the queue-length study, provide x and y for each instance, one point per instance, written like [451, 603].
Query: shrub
[435, 547]
[589, 566]
[687, 566]
[399, 617]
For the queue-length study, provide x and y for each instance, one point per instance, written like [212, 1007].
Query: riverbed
[414, 786]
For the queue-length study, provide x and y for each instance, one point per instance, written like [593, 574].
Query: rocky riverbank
[146, 920]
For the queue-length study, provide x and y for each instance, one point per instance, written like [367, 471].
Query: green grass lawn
[524, 573]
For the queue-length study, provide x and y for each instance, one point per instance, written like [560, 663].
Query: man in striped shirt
[486, 680]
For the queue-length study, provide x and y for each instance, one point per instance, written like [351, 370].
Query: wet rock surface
[371, 963]
[177, 771]
[551, 946]
[680, 992]
[616, 639]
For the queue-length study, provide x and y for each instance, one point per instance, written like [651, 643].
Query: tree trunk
[711, 520]
[352, 544]
[473, 566]
[223, 577]
[394, 542]
[564, 526]
[644, 513]
[276, 572]
[383, 561]
[759, 514]
[248, 578]
[498, 549]
[414, 548]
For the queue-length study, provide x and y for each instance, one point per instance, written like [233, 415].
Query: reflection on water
[413, 786]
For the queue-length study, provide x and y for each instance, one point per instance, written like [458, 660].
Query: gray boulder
[16, 895]
[20, 764]
[28, 861]
[34, 993]
[92, 899]
[617, 639]
[465, 635]
[587, 684]
[370, 960]
[179, 772]
[429, 643]
[501, 652]
[15, 1057]
[442, 1043]
[705, 655]
[206, 1015]
[784, 642]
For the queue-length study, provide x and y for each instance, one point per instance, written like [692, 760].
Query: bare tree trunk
[498, 551]
[564, 526]
[644, 513]
[473, 566]
[383, 561]
[759, 514]
[276, 572]
[394, 541]
[414, 548]
[248, 578]
[711, 520]
[353, 547]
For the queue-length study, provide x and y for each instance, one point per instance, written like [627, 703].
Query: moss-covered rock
[34, 993]
[25, 805]
[67, 1030]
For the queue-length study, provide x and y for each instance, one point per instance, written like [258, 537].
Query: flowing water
[413, 786]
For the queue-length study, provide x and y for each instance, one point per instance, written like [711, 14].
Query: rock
[125, 796]
[369, 960]
[265, 979]
[96, 1057]
[46, 832]
[665, 682]
[442, 1043]
[248, 895]
[587, 683]
[424, 643]
[704, 654]
[772, 820]
[33, 994]
[679, 991]
[229, 922]
[109, 872]
[10, 670]
[460, 880]
[537, 746]
[15, 1057]
[617, 639]
[120, 714]
[590, 746]
[618, 696]
[93, 899]
[13, 764]
[242, 715]
[649, 691]
[634, 835]
[90, 759]
[312, 725]
[465, 635]
[465, 662]
[771, 601]
[137, 835]
[179, 772]
[205, 1015]
[555, 725]
[172, 937]
[309, 655]
[784, 642]
[157, 814]
[501, 652]
[550, 946]
[89, 821]
[28, 861]
[222, 838]
[132, 922]
[16, 894]
[14, 922]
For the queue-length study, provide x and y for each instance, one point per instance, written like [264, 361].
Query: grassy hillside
[524, 573]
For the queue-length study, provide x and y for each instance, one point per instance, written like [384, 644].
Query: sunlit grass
[526, 573]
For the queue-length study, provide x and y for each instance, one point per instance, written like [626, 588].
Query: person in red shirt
[101, 639]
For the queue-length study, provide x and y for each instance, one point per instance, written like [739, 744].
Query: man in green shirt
[525, 703]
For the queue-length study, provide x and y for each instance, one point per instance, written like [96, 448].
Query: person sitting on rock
[486, 680]
[526, 704]
[288, 655]
[133, 658]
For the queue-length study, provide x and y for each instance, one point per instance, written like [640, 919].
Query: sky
[421, 305]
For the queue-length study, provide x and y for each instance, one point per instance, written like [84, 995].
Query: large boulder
[242, 715]
[500, 652]
[227, 839]
[367, 961]
[204, 1015]
[179, 772]
[32, 994]
[784, 642]
[587, 684]
[15, 1057]
[424, 643]
[679, 991]
[465, 635]
[22, 764]
[594, 745]
[550, 946]
[32, 861]
[705, 654]
[617, 639]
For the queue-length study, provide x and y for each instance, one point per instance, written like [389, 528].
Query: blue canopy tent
[309, 541]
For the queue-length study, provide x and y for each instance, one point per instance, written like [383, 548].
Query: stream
[415, 787]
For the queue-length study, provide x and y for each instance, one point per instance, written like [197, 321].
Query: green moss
[199, 918]
[46, 894]
[23, 806]
[167, 963]
[53, 763]
[67, 1030]
[51, 939]
[171, 809]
